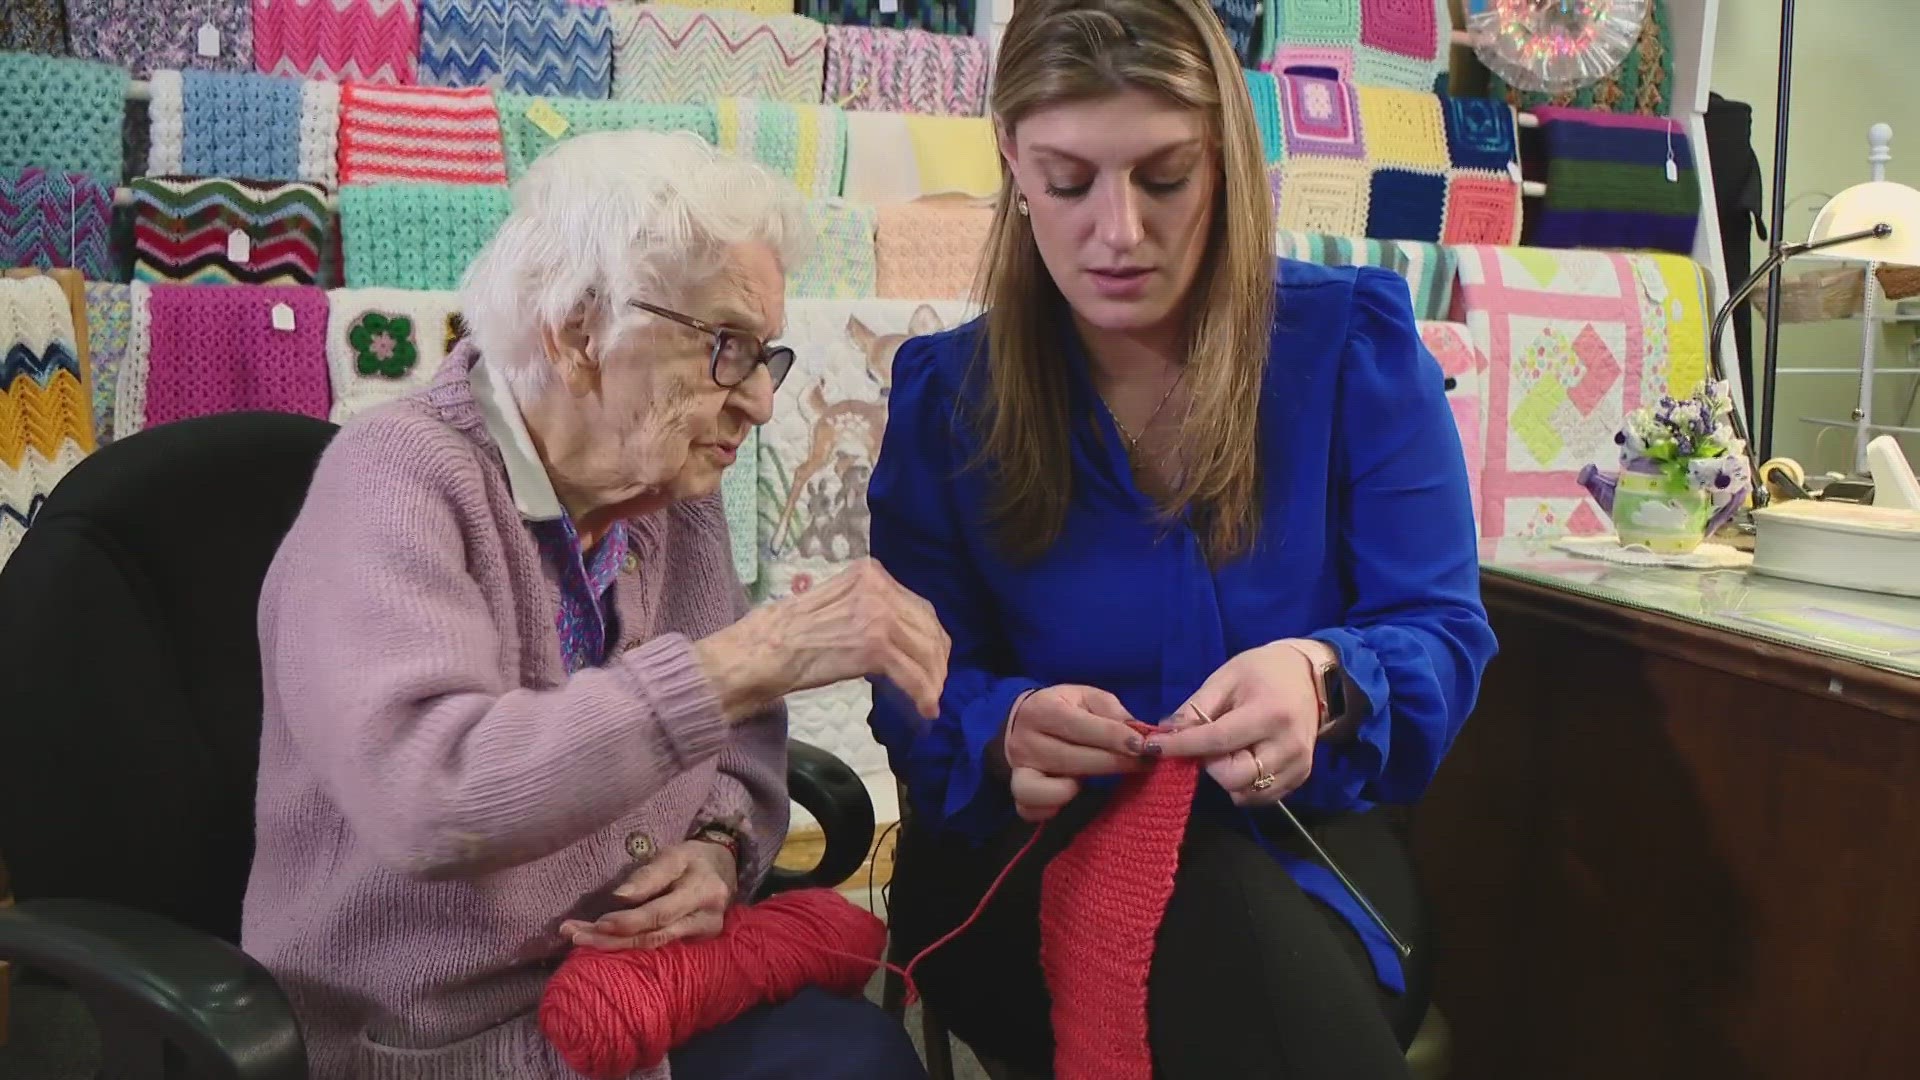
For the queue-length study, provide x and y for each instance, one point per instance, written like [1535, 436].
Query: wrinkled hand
[860, 623]
[1266, 715]
[680, 896]
[1059, 734]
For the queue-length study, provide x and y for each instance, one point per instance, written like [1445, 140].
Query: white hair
[614, 216]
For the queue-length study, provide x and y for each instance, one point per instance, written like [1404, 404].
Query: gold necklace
[1133, 441]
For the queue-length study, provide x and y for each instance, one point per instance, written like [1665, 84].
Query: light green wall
[1856, 63]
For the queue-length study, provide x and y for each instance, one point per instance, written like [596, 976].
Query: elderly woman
[512, 703]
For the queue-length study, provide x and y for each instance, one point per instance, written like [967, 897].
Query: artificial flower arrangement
[1683, 474]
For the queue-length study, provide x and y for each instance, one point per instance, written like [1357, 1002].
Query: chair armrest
[156, 988]
[837, 799]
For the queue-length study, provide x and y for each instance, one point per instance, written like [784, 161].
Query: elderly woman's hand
[860, 623]
[1255, 722]
[680, 896]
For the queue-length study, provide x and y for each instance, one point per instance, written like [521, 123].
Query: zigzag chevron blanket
[142, 35]
[219, 350]
[666, 53]
[524, 46]
[255, 127]
[418, 133]
[416, 236]
[525, 137]
[62, 115]
[906, 71]
[373, 41]
[46, 419]
[804, 143]
[225, 232]
[50, 219]
[939, 16]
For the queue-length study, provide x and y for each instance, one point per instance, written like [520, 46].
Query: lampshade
[1859, 209]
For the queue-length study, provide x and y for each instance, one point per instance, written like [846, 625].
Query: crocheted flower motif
[383, 345]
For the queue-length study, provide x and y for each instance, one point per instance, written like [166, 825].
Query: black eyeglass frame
[778, 359]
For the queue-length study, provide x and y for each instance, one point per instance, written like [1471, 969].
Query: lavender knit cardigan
[436, 794]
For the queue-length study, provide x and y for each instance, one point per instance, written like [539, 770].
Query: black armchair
[129, 738]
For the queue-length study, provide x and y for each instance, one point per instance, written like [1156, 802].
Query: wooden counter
[1662, 849]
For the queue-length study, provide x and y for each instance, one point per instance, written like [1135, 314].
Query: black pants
[1251, 978]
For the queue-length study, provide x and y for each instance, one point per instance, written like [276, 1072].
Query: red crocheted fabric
[1101, 902]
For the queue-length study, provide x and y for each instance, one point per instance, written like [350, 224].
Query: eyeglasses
[735, 352]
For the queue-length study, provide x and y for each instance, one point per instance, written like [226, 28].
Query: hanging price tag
[207, 41]
[282, 318]
[239, 247]
[1513, 170]
[889, 7]
[1673, 171]
[547, 118]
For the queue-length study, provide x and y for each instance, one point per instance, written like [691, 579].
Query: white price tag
[1513, 170]
[207, 41]
[282, 317]
[239, 247]
[1673, 171]
[888, 7]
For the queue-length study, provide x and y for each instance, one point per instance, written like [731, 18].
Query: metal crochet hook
[1405, 950]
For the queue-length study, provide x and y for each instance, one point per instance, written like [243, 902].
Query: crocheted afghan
[1574, 341]
[34, 26]
[1394, 164]
[1430, 269]
[143, 35]
[1393, 43]
[908, 71]
[751, 7]
[373, 41]
[219, 350]
[417, 133]
[664, 53]
[416, 236]
[524, 46]
[1643, 84]
[225, 232]
[842, 266]
[899, 157]
[50, 219]
[939, 16]
[528, 126]
[109, 312]
[929, 251]
[383, 344]
[46, 418]
[62, 116]
[804, 143]
[740, 499]
[247, 126]
[1101, 903]
[1242, 21]
[1607, 182]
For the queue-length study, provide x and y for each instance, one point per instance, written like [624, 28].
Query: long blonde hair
[1061, 51]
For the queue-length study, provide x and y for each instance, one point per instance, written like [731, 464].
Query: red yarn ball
[610, 1013]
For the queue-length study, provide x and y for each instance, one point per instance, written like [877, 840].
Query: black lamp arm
[1766, 270]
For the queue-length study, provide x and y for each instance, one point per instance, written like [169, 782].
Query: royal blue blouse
[1366, 542]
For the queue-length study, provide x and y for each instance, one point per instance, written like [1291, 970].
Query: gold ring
[1200, 712]
[1262, 779]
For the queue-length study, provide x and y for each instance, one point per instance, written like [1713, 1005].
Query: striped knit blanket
[374, 41]
[527, 130]
[523, 46]
[418, 133]
[906, 71]
[257, 127]
[1608, 186]
[664, 53]
[804, 143]
[225, 232]
[1430, 269]
[50, 219]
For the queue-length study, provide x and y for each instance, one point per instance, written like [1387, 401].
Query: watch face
[1336, 691]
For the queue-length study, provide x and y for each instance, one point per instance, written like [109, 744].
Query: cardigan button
[640, 846]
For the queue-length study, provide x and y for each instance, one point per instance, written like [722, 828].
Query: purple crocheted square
[1321, 116]
[144, 35]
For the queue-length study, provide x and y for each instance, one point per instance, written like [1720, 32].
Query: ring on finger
[1262, 779]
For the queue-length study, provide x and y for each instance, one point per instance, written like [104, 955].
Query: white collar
[527, 478]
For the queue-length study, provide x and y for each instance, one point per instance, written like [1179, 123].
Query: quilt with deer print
[815, 456]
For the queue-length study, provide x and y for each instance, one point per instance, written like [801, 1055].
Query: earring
[1020, 204]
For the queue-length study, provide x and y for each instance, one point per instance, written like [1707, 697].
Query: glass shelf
[1867, 628]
